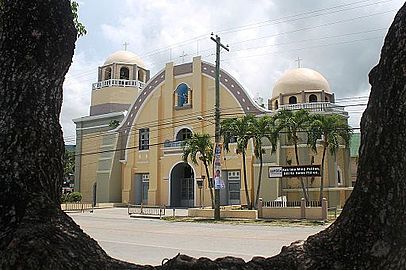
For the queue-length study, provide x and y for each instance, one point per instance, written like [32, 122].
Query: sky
[340, 39]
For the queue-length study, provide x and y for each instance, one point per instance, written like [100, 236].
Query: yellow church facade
[129, 149]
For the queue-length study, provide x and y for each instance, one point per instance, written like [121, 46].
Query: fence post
[173, 212]
[303, 208]
[260, 204]
[324, 209]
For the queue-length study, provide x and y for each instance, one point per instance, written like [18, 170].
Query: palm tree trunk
[247, 195]
[259, 179]
[322, 173]
[209, 185]
[305, 194]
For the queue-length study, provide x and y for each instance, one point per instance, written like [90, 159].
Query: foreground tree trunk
[370, 233]
[37, 42]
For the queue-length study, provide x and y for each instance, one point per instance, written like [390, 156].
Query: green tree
[199, 146]
[293, 123]
[330, 129]
[68, 163]
[81, 29]
[263, 128]
[239, 129]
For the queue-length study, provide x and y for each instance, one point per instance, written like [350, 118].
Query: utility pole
[217, 119]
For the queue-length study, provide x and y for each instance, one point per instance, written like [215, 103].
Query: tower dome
[125, 57]
[300, 79]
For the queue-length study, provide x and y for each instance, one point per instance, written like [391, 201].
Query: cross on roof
[183, 56]
[298, 61]
[125, 44]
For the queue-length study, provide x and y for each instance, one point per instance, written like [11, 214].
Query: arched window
[312, 98]
[141, 75]
[124, 73]
[183, 134]
[292, 100]
[276, 105]
[107, 73]
[182, 95]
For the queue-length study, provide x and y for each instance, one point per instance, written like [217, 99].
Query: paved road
[148, 241]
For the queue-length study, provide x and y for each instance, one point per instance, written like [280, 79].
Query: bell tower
[120, 78]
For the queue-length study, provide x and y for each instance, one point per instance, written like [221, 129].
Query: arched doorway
[292, 100]
[312, 98]
[182, 186]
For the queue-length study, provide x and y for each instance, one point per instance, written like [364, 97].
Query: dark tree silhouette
[37, 42]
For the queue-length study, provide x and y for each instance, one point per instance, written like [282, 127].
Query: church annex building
[129, 149]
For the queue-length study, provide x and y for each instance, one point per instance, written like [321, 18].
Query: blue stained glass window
[182, 92]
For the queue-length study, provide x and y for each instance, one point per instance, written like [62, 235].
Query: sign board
[218, 182]
[294, 171]
[275, 172]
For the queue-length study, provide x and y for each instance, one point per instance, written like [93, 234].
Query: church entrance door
[182, 186]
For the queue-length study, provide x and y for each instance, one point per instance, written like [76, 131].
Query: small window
[276, 105]
[107, 73]
[312, 98]
[182, 95]
[326, 99]
[124, 73]
[144, 139]
[292, 100]
[183, 134]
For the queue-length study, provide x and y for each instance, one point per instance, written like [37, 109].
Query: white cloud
[76, 94]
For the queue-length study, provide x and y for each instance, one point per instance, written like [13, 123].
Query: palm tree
[263, 127]
[331, 129]
[199, 146]
[239, 129]
[294, 122]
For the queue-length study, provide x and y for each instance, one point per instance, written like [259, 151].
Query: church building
[129, 148]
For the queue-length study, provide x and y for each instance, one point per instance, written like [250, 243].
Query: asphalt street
[148, 241]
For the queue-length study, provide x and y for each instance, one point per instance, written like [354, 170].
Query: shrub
[71, 197]
[75, 197]
[64, 198]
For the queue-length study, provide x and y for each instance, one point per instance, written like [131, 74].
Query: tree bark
[259, 179]
[322, 173]
[247, 194]
[37, 42]
[302, 184]
[209, 185]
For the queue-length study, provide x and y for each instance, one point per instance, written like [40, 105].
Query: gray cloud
[152, 26]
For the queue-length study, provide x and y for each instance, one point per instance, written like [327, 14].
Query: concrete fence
[77, 207]
[304, 211]
[226, 213]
